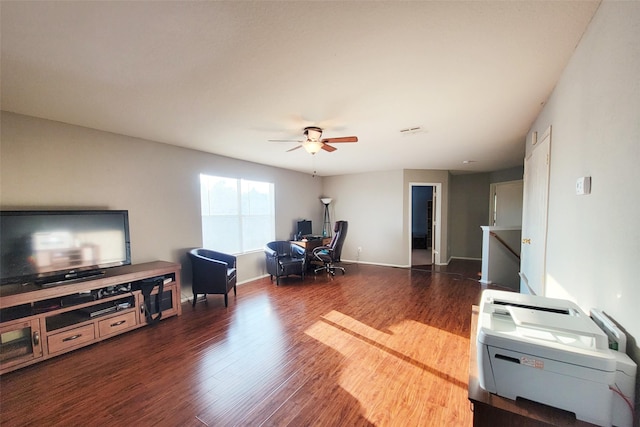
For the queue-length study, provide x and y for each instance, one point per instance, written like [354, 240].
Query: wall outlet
[359, 249]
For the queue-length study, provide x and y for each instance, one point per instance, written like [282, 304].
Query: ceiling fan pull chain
[313, 165]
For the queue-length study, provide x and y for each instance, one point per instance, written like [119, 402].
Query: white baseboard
[375, 263]
[252, 279]
[467, 258]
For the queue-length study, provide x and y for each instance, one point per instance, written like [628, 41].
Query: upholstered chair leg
[234, 290]
[195, 297]
[226, 300]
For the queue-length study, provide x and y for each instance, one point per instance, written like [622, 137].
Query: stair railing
[499, 239]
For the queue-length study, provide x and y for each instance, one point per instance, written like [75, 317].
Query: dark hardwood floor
[378, 346]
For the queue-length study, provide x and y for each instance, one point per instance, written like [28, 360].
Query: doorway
[423, 224]
[505, 207]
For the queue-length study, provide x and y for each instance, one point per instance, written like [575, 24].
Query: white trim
[465, 257]
[251, 280]
[493, 188]
[376, 263]
[437, 236]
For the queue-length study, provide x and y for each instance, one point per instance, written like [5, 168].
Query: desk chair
[330, 254]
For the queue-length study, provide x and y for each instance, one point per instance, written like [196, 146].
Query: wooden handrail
[499, 239]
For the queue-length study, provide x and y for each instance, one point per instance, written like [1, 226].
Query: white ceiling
[224, 77]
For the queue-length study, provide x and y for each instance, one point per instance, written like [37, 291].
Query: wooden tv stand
[39, 323]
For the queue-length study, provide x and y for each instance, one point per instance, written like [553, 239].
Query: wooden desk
[310, 245]
[493, 410]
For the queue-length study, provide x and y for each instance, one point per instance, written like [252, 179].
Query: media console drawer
[117, 323]
[71, 338]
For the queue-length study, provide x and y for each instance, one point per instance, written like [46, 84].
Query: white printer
[549, 351]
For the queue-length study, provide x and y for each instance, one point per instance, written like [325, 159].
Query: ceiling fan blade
[341, 139]
[327, 147]
[295, 148]
[285, 140]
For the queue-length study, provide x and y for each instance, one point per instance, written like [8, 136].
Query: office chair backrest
[338, 239]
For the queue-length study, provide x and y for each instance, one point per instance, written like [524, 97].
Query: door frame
[437, 220]
[493, 190]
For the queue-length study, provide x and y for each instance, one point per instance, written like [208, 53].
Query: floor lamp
[326, 226]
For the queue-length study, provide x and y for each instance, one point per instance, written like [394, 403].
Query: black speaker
[75, 299]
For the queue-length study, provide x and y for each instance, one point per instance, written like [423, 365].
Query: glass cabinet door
[19, 342]
[169, 303]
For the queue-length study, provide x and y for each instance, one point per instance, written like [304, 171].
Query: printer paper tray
[580, 390]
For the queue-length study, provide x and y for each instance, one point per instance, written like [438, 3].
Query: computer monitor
[303, 228]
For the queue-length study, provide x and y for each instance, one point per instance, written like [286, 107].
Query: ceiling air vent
[411, 130]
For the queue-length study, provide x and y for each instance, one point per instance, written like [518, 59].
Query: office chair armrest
[321, 251]
[322, 248]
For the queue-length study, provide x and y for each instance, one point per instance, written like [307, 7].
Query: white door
[434, 204]
[437, 219]
[534, 218]
[506, 206]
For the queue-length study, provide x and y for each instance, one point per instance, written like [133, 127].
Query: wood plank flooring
[379, 346]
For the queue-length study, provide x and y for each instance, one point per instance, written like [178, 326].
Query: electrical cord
[617, 391]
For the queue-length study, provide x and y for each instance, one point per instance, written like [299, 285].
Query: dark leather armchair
[284, 258]
[213, 273]
[330, 254]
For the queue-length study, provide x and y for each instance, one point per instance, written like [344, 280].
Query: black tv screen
[304, 228]
[47, 247]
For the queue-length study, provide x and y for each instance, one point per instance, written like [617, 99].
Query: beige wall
[50, 164]
[594, 240]
[468, 210]
[377, 206]
[373, 205]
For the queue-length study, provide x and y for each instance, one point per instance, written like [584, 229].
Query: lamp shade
[312, 147]
[326, 200]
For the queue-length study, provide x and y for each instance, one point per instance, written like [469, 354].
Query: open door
[424, 220]
[434, 204]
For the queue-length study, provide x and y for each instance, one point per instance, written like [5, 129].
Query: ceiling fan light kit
[312, 147]
[312, 142]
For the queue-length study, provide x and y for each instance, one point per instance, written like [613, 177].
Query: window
[238, 215]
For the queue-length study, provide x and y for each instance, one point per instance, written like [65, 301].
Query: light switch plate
[583, 185]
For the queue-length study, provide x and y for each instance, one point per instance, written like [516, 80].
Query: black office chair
[284, 258]
[213, 273]
[330, 254]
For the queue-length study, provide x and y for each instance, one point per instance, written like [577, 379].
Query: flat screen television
[304, 228]
[52, 247]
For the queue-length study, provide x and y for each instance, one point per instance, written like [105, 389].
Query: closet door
[534, 218]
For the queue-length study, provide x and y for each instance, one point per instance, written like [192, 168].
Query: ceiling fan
[313, 142]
